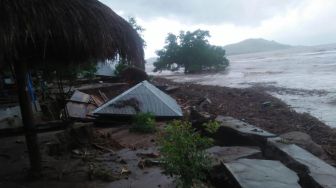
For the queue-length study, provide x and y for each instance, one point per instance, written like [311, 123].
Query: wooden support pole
[28, 118]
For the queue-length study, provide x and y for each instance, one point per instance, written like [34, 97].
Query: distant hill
[253, 46]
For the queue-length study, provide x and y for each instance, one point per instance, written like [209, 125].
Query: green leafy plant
[183, 153]
[144, 123]
[211, 126]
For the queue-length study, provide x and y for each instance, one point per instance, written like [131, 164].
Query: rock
[251, 173]
[305, 141]
[220, 154]
[313, 171]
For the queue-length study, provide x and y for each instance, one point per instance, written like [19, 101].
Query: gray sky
[296, 22]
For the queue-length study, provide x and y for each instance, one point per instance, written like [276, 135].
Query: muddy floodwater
[303, 77]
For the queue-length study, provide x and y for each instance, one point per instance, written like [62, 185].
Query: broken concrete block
[252, 173]
[313, 171]
[235, 132]
[305, 141]
[220, 154]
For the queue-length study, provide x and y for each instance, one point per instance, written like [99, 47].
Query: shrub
[211, 126]
[183, 153]
[144, 123]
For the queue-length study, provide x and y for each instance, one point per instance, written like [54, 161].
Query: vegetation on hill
[191, 51]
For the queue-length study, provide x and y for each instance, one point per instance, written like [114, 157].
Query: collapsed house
[86, 99]
[80, 105]
[143, 97]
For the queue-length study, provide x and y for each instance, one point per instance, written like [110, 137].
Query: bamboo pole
[28, 118]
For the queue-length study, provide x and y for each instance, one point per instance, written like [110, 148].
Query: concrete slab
[309, 167]
[252, 173]
[236, 132]
[242, 127]
[220, 154]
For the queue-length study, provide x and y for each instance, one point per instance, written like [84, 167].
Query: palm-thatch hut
[34, 32]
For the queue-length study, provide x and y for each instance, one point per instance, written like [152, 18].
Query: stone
[220, 154]
[252, 173]
[305, 141]
[313, 171]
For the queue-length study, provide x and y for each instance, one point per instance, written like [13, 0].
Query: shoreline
[256, 106]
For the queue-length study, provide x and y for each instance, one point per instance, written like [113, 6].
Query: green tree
[191, 51]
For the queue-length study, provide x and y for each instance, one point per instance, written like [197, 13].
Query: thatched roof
[65, 31]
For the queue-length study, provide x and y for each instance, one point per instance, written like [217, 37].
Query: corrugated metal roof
[150, 99]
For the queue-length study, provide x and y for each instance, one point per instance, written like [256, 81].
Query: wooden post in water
[28, 118]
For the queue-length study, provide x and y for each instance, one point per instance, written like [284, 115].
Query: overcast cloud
[247, 12]
[296, 22]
